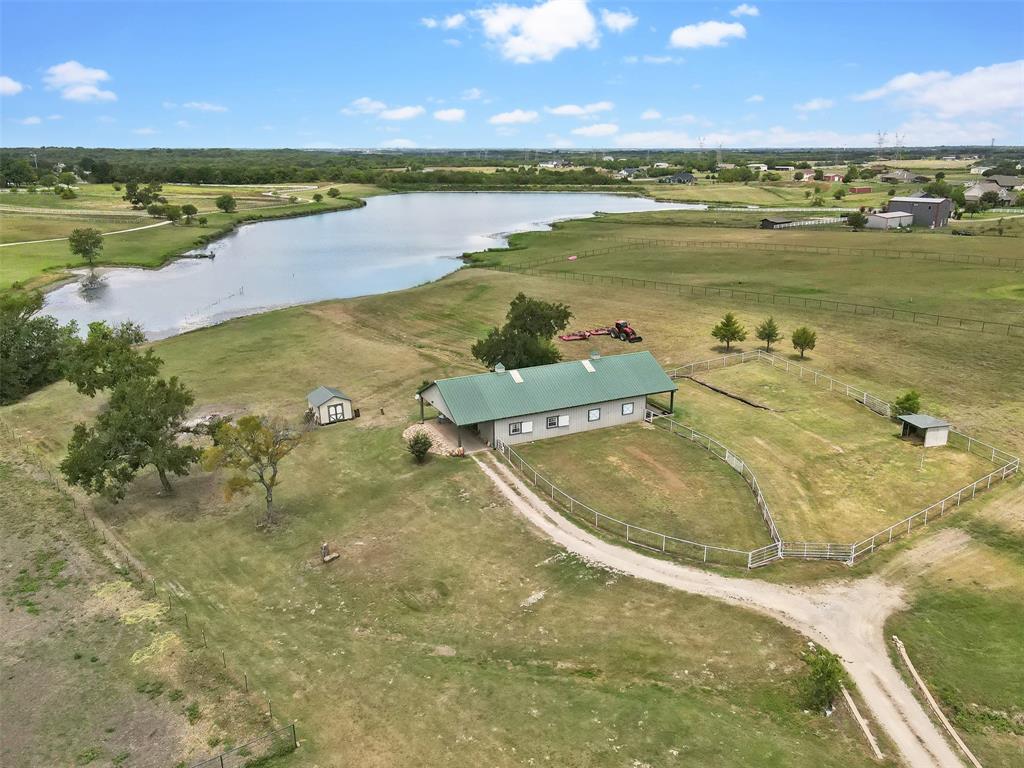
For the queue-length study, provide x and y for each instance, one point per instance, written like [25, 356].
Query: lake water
[395, 242]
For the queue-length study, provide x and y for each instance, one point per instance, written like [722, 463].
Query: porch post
[458, 431]
[421, 409]
[672, 401]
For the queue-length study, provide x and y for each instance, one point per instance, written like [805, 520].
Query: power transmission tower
[881, 143]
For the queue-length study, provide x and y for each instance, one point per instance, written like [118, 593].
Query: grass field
[93, 671]
[772, 194]
[647, 477]
[831, 469]
[597, 670]
[963, 629]
[41, 263]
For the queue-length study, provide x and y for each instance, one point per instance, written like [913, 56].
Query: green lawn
[832, 470]
[647, 477]
[784, 193]
[19, 227]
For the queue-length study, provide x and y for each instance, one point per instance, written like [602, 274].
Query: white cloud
[204, 106]
[745, 10]
[598, 129]
[55, 117]
[755, 99]
[183, 124]
[168, 104]
[31, 120]
[472, 94]
[814, 105]
[540, 32]
[454, 21]
[450, 115]
[398, 144]
[77, 82]
[575, 110]
[401, 113]
[706, 34]
[649, 59]
[145, 131]
[650, 114]
[981, 90]
[618, 21]
[514, 117]
[9, 86]
[364, 106]
[428, 23]
[453, 42]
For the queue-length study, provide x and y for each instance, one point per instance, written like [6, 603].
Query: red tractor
[623, 331]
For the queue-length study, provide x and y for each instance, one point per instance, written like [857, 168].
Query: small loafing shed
[330, 405]
[931, 431]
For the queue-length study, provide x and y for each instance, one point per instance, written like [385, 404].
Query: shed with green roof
[517, 406]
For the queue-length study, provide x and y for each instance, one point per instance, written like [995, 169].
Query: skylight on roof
[588, 365]
[517, 377]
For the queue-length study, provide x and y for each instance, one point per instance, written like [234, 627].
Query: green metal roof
[923, 420]
[321, 395]
[497, 395]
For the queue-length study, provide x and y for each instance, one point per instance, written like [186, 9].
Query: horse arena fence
[272, 744]
[1006, 465]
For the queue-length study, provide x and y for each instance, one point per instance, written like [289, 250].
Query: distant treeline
[398, 169]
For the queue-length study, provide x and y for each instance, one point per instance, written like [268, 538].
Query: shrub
[908, 402]
[804, 338]
[318, 198]
[419, 446]
[333, 192]
[824, 681]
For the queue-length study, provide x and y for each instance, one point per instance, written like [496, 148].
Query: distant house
[890, 220]
[832, 177]
[974, 192]
[329, 405]
[774, 222]
[784, 168]
[661, 165]
[930, 212]
[901, 176]
[628, 173]
[725, 166]
[757, 167]
[683, 177]
[859, 190]
[607, 159]
[518, 406]
[1007, 182]
[978, 170]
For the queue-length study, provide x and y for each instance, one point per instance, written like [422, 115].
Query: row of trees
[729, 329]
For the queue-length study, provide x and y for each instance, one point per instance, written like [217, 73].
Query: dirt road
[847, 618]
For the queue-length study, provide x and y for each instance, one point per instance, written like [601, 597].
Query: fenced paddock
[273, 744]
[1005, 465]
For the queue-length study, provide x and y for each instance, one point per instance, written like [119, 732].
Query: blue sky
[555, 73]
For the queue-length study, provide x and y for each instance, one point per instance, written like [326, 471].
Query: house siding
[321, 412]
[611, 416]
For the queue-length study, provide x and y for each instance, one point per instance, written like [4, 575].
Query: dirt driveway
[848, 617]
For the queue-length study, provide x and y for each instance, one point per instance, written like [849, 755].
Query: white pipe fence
[1006, 466]
[635, 534]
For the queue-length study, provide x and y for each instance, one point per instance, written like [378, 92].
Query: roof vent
[594, 354]
[516, 376]
[499, 368]
[587, 364]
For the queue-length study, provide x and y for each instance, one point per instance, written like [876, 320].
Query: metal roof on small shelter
[923, 421]
[321, 395]
[498, 394]
[894, 214]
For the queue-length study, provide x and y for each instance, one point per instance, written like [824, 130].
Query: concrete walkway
[846, 617]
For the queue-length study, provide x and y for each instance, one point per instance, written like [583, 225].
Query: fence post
[295, 741]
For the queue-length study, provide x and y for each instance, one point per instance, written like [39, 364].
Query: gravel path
[846, 617]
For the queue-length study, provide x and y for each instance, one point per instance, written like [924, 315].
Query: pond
[394, 242]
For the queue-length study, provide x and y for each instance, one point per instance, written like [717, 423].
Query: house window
[515, 428]
[593, 414]
[335, 413]
[627, 409]
[551, 422]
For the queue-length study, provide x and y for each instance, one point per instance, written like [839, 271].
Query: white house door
[335, 413]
